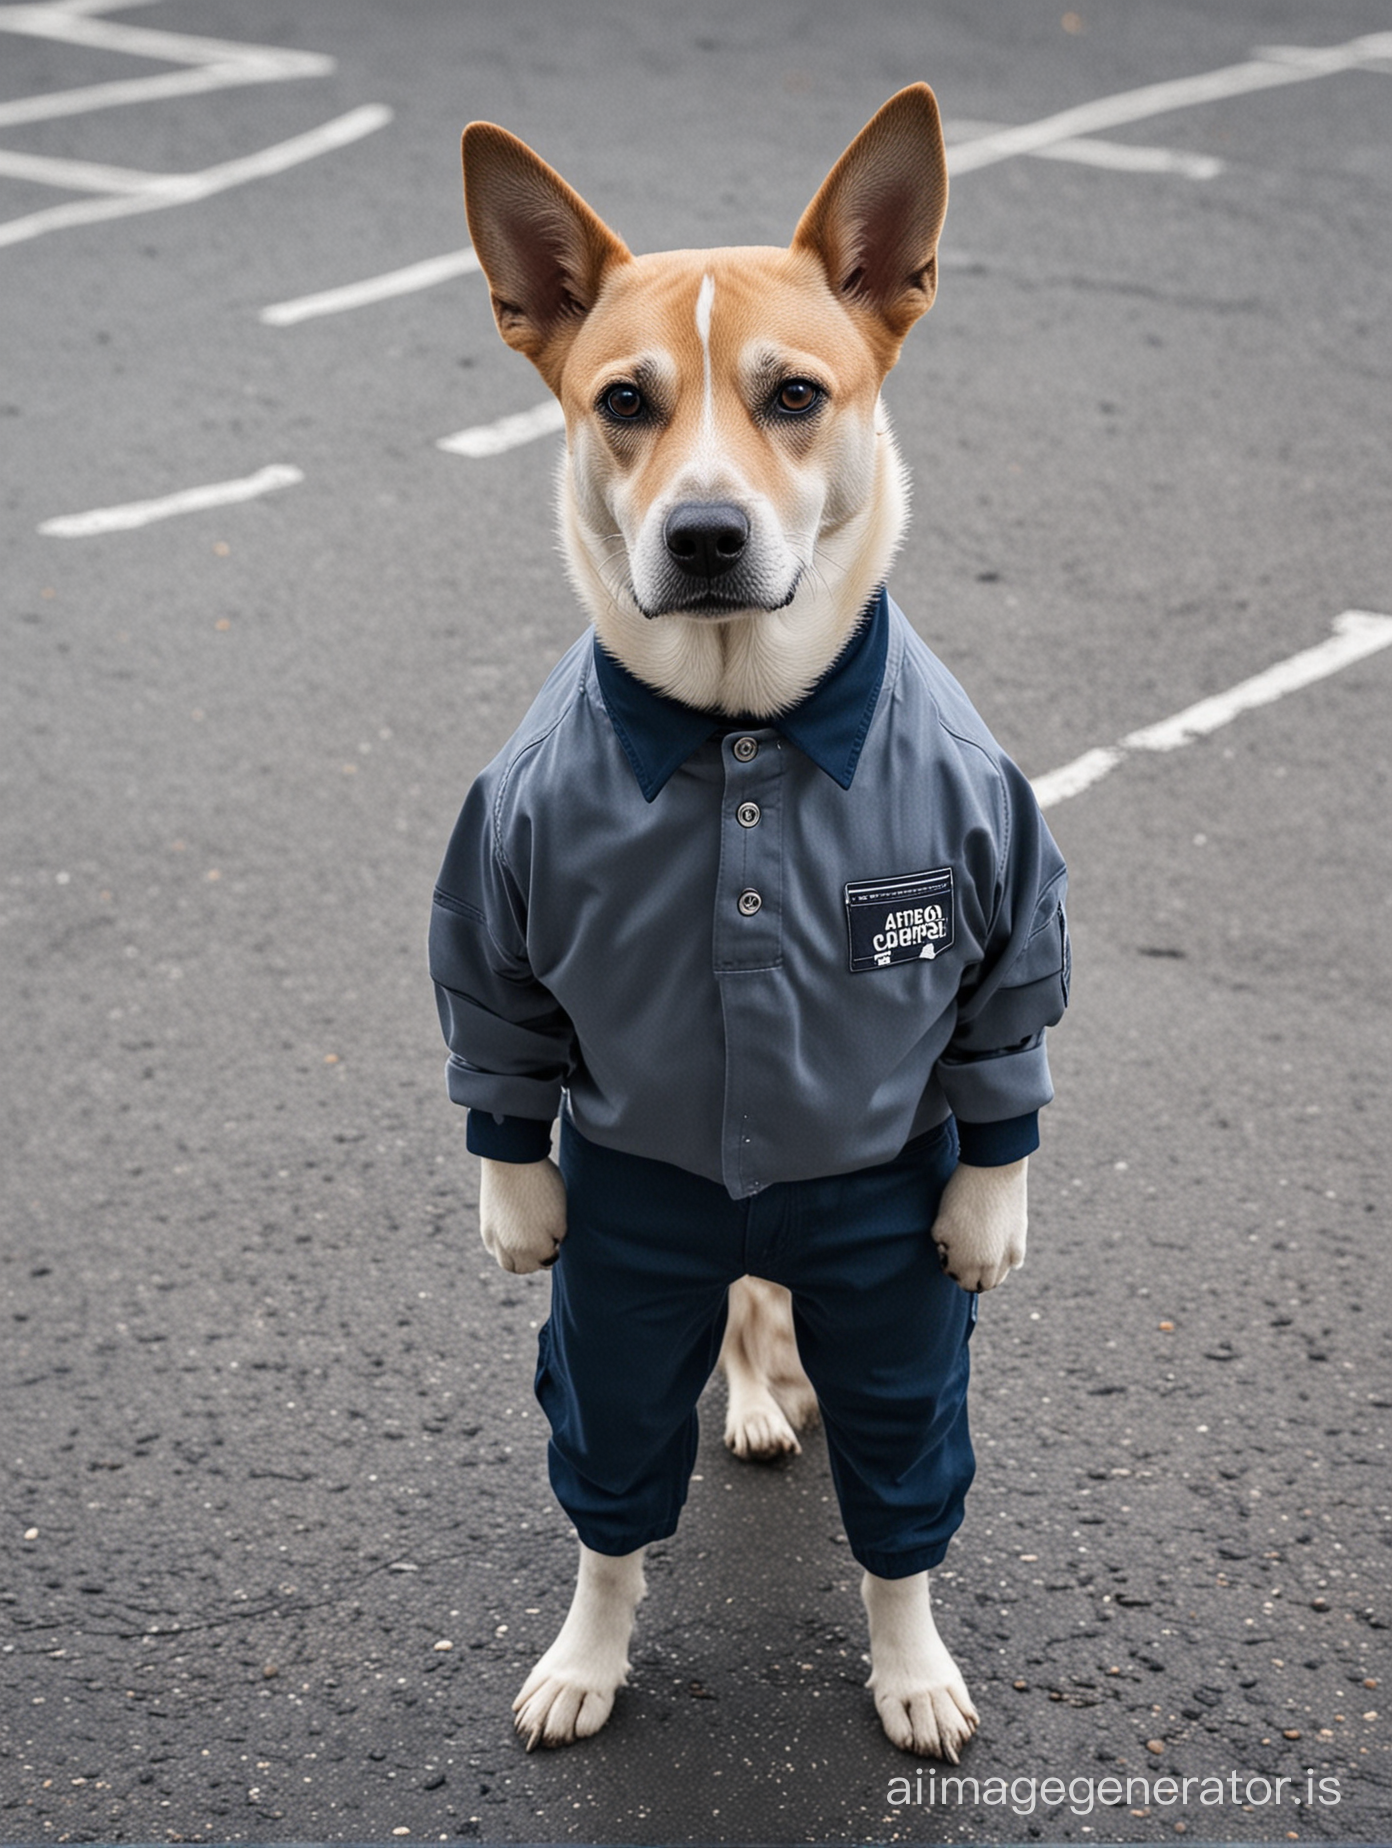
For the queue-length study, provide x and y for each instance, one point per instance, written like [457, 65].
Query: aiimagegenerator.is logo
[1139, 1795]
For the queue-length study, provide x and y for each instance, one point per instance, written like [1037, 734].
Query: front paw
[522, 1213]
[981, 1225]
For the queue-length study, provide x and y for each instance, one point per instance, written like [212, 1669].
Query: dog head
[731, 495]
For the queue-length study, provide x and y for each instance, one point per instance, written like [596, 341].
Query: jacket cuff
[499, 1094]
[997, 1145]
[507, 1138]
[994, 1088]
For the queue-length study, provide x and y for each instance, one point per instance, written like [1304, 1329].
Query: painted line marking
[1120, 156]
[187, 500]
[1357, 634]
[215, 64]
[188, 188]
[73, 175]
[210, 64]
[122, 91]
[1072, 779]
[1266, 71]
[507, 433]
[86, 28]
[423, 275]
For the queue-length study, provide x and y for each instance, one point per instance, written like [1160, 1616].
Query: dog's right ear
[544, 252]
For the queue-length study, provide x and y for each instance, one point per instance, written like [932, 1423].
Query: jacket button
[745, 749]
[747, 814]
[749, 903]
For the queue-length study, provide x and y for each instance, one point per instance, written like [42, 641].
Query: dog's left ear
[875, 223]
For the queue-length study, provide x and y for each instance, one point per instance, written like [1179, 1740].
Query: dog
[731, 501]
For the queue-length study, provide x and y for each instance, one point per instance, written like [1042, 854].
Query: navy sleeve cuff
[997, 1145]
[507, 1138]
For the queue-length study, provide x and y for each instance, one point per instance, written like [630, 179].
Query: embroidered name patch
[899, 920]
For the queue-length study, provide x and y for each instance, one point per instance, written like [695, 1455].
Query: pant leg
[883, 1334]
[638, 1310]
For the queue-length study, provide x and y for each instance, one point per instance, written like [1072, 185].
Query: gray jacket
[762, 952]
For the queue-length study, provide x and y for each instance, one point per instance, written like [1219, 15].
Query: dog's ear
[544, 252]
[875, 223]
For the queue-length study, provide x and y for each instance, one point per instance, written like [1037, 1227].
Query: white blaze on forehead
[705, 300]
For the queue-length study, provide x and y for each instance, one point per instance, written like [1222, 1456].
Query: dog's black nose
[706, 538]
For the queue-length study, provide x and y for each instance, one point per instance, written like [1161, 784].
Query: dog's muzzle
[709, 567]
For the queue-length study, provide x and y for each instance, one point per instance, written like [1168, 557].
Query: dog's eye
[796, 397]
[625, 402]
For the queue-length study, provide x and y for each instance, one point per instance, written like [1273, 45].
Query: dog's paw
[935, 1721]
[559, 1708]
[981, 1225]
[758, 1432]
[570, 1693]
[522, 1213]
[919, 1692]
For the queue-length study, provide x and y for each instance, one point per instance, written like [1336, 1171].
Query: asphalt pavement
[276, 1538]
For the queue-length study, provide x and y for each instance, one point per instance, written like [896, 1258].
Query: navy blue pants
[638, 1312]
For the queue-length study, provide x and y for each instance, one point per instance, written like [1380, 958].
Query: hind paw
[758, 1431]
[556, 1710]
[934, 1721]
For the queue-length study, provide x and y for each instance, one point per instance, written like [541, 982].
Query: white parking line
[71, 26]
[215, 64]
[187, 188]
[121, 91]
[1120, 156]
[1270, 68]
[74, 175]
[423, 275]
[187, 500]
[211, 64]
[1357, 633]
[492, 439]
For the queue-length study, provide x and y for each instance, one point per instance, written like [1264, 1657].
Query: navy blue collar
[658, 734]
